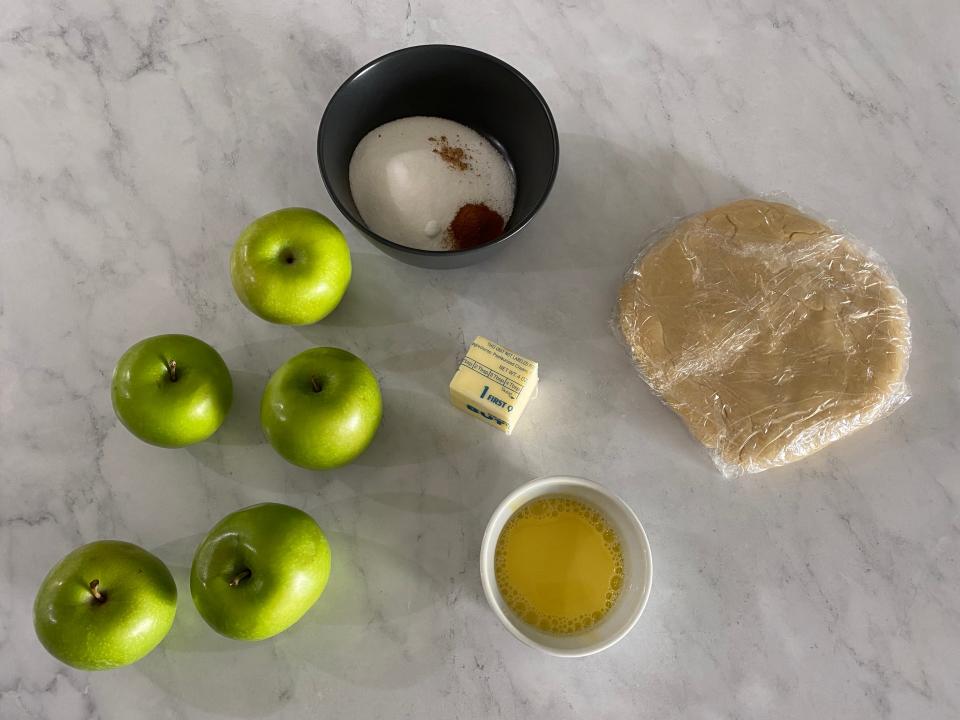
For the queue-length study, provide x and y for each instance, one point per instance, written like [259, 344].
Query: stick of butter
[494, 384]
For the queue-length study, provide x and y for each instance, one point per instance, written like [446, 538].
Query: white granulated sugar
[408, 179]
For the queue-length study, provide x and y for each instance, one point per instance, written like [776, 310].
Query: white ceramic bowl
[638, 568]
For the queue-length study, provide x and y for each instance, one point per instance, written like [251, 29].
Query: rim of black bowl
[418, 251]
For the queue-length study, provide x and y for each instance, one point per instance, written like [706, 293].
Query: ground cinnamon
[454, 155]
[475, 224]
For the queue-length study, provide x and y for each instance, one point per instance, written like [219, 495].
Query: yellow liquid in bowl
[559, 564]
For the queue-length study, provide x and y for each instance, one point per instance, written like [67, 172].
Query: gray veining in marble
[138, 138]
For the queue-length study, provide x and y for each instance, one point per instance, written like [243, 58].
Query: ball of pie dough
[767, 332]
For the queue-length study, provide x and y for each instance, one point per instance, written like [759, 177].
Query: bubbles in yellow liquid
[559, 564]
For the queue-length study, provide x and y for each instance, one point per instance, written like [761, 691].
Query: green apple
[291, 266]
[172, 390]
[321, 408]
[259, 570]
[105, 605]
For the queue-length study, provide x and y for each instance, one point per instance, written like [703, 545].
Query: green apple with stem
[172, 390]
[105, 605]
[291, 266]
[321, 408]
[259, 570]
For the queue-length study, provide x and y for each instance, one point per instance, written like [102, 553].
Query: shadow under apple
[376, 623]
[416, 428]
[242, 424]
[206, 670]
[414, 354]
[384, 292]
[415, 502]
[415, 361]
[240, 451]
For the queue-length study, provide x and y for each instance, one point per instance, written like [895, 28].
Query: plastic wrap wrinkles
[770, 334]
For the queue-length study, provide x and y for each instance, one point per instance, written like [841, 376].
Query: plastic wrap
[768, 333]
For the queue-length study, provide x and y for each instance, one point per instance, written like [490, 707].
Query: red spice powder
[475, 224]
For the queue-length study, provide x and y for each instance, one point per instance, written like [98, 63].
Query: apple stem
[317, 387]
[240, 577]
[94, 589]
[172, 367]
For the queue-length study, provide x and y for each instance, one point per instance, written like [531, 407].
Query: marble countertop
[137, 139]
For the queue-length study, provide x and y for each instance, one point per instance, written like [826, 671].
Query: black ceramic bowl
[457, 83]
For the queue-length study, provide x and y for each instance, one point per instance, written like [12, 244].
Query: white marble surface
[138, 138]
